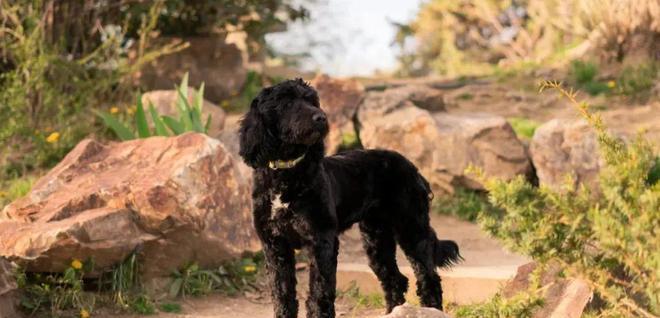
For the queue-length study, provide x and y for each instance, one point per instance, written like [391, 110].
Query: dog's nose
[319, 118]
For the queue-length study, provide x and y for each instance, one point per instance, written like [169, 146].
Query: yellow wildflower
[250, 268]
[224, 104]
[76, 264]
[53, 137]
[84, 313]
[114, 110]
[611, 84]
[130, 110]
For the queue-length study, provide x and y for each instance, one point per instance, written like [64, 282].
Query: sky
[347, 37]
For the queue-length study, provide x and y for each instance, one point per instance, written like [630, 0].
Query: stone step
[461, 284]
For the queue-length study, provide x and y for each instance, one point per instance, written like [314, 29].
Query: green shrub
[143, 305]
[190, 117]
[584, 77]
[521, 305]
[523, 127]
[170, 307]
[608, 237]
[583, 72]
[476, 36]
[55, 293]
[229, 278]
[464, 203]
[634, 81]
[50, 79]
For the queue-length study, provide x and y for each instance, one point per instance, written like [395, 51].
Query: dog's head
[284, 122]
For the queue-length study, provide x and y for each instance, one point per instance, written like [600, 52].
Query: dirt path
[476, 247]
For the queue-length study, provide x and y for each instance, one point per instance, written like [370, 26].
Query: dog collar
[284, 164]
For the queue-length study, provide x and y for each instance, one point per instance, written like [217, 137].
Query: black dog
[305, 200]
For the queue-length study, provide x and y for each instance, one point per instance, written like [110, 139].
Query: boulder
[412, 132]
[483, 140]
[9, 295]
[565, 147]
[165, 103]
[221, 66]
[408, 311]
[230, 140]
[563, 297]
[339, 99]
[441, 145]
[173, 200]
[417, 95]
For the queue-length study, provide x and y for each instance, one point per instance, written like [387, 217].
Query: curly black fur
[309, 205]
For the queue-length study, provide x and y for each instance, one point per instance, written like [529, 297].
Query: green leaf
[175, 126]
[141, 120]
[199, 98]
[185, 111]
[120, 129]
[208, 124]
[175, 288]
[197, 120]
[161, 130]
[184, 85]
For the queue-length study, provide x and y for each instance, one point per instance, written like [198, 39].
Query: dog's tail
[445, 253]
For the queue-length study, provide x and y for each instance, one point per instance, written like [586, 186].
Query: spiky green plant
[189, 119]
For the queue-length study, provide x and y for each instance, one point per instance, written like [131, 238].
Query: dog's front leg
[322, 276]
[280, 263]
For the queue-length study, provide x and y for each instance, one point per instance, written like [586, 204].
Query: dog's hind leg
[418, 241]
[379, 243]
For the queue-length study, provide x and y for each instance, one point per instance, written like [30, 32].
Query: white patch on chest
[276, 204]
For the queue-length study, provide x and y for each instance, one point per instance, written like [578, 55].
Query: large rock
[9, 296]
[441, 145]
[565, 147]
[173, 200]
[221, 66]
[165, 103]
[379, 103]
[483, 140]
[408, 311]
[340, 99]
[563, 297]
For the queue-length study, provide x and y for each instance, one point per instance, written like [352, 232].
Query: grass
[55, 294]
[465, 96]
[523, 127]
[522, 305]
[170, 307]
[230, 278]
[143, 305]
[583, 74]
[13, 189]
[465, 204]
[637, 81]
[359, 300]
[123, 282]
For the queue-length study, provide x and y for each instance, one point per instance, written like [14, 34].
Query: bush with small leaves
[607, 237]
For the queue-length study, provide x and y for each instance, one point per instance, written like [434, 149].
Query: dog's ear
[255, 140]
